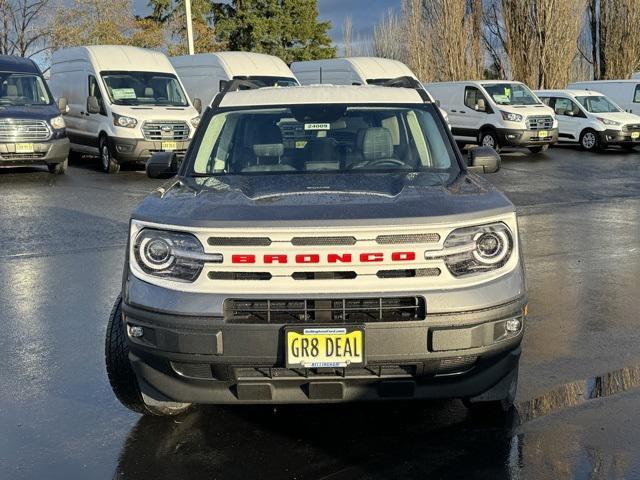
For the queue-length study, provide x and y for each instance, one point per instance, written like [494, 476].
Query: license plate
[319, 347]
[543, 134]
[635, 135]
[24, 147]
[168, 146]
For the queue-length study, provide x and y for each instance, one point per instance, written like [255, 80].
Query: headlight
[606, 121]
[124, 121]
[511, 117]
[195, 121]
[57, 122]
[478, 249]
[172, 255]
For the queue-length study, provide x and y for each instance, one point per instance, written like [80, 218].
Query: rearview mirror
[483, 160]
[480, 105]
[197, 104]
[93, 106]
[162, 165]
[63, 105]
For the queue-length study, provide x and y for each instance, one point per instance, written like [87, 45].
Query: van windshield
[269, 81]
[21, 89]
[144, 88]
[334, 139]
[598, 104]
[510, 94]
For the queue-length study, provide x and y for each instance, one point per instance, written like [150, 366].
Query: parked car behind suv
[319, 244]
[32, 130]
[591, 119]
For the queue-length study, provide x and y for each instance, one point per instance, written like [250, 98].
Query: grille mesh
[22, 156]
[540, 123]
[12, 131]
[310, 241]
[239, 241]
[239, 275]
[408, 238]
[165, 130]
[409, 273]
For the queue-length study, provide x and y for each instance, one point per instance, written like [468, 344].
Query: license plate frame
[168, 146]
[323, 332]
[543, 134]
[25, 148]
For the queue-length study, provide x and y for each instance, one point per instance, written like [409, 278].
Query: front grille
[373, 371]
[315, 241]
[22, 156]
[408, 238]
[165, 130]
[342, 310]
[324, 275]
[409, 273]
[631, 127]
[455, 365]
[15, 131]
[239, 241]
[540, 123]
[239, 275]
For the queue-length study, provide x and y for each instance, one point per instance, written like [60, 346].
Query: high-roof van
[32, 130]
[125, 103]
[496, 113]
[206, 74]
[625, 93]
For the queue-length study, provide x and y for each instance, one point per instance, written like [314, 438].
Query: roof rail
[408, 82]
[233, 86]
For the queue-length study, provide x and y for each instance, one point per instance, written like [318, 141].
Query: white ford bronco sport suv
[319, 244]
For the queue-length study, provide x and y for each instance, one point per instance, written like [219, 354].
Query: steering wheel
[385, 161]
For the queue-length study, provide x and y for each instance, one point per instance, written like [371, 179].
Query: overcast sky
[364, 14]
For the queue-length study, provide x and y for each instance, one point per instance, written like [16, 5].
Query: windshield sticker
[317, 126]
[501, 98]
[123, 93]
[301, 144]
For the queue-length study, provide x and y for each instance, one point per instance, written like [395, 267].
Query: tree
[387, 37]
[347, 34]
[288, 29]
[23, 32]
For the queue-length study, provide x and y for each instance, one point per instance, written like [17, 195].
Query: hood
[622, 117]
[152, 112]
[33, 112]
[527, 110]
[314, 199]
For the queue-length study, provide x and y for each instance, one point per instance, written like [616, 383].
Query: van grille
[540, 123]
[14, 130]
[165, 130]
[631, 127]
[332, 310]
[22, 156]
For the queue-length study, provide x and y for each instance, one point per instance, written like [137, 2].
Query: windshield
[144, 88]
[598, 104]
[20, 89]
[268, 81]
[324, 138]
[510, 94]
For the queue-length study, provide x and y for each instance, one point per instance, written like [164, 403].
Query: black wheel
[496, 406]
[539, 149]
[58, 168]
[488, 138]
[121, 376]
[589, 140]
[107, 161]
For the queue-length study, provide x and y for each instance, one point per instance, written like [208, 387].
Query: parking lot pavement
[62, 242]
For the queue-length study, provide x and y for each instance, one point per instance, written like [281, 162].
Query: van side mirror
[162, 165]
[480, 105]
[197, 104]
[63, 105]
[483, 160]
[93, 106]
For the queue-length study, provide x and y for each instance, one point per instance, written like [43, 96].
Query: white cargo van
[125, 103]
[591, 119]
[496, 113]
[206, 74]
[625, 93]
[353, 71]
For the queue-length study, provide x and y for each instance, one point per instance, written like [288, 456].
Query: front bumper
[50, 152]
[526, 138]
[128, 150]
[618, 137]
[206, 360]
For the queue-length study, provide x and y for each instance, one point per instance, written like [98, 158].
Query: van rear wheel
[107, 161]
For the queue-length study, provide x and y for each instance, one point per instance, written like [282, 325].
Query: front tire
[122, 378]
[107, 161]
[539, 149]
[488, 138]
[58, 168]
[589, 140]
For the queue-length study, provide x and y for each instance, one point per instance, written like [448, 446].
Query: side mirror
[437, 102]
[93, 106]
[63, 105]
[162, 165]
[483, 160]
[197, 104]
[480, 105]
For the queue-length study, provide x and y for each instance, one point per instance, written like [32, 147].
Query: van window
[94, 91]
[23, 89]
[144, 88]
[471, 97]
[636, 94]
[565, 106]
[598, 104]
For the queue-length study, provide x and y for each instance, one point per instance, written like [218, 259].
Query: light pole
[187, 6]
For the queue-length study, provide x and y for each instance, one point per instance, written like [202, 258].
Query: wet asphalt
[61, 257]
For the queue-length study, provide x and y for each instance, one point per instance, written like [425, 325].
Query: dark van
[32, 130]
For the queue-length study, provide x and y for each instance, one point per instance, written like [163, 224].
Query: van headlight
[195, 121]
[57, 123]
[477, 249]
[171, 255]
[511, 117]
[124, 121]
[611, 123]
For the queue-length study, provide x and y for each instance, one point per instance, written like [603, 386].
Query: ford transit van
[496, 113]
[125, 103]
[625, 93]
